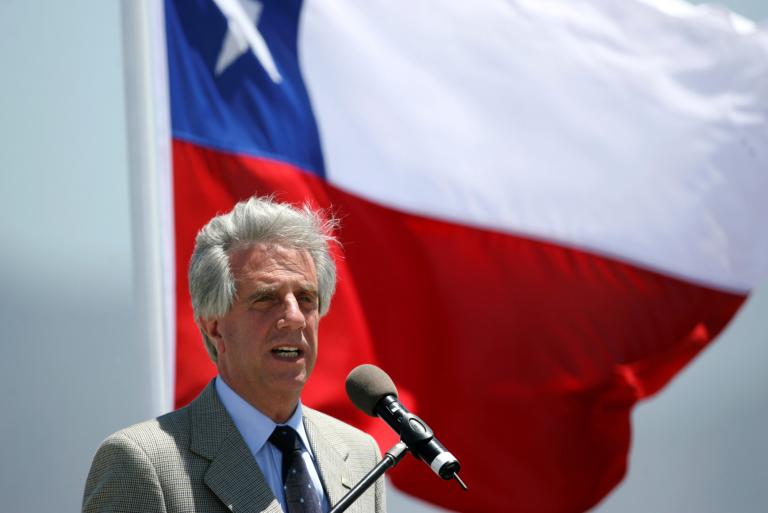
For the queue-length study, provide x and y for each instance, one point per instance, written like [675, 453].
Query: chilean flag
[548, 208]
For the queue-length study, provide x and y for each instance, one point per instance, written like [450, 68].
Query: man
[260, 278]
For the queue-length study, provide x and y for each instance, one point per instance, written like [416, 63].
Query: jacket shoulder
[333, 425]
[340, 434]
[155, 435]
[133, 467]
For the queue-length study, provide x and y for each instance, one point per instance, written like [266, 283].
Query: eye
[307, 298]
[262, 299]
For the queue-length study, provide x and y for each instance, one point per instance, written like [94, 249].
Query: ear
[211, 328]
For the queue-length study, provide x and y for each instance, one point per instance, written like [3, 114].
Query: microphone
[372, 391]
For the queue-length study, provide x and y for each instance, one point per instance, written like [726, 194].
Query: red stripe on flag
[525, 356]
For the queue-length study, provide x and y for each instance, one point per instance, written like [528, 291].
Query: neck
[279, 414]
[277, 406]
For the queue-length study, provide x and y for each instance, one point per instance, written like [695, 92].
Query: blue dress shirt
[255, 428]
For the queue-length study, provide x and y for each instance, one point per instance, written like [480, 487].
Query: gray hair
[256, 220]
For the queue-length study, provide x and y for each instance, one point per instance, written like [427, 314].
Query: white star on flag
[242, 18]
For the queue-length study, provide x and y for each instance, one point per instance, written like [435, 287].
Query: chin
[293, 382]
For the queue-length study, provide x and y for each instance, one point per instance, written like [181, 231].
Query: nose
[293, 317]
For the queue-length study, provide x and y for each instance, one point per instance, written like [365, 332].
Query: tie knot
[286, 439]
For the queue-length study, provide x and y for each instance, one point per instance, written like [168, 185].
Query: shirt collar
[253, 425]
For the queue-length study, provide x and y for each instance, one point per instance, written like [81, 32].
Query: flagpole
[149, 162]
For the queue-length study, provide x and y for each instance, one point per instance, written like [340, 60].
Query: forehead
[267, 262]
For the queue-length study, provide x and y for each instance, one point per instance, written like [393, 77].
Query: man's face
[267, 343]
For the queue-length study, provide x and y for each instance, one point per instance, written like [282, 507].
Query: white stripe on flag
[618, 127]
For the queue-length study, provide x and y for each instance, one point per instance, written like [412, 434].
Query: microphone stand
[391, 458]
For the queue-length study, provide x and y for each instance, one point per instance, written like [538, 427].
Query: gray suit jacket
[194, 460]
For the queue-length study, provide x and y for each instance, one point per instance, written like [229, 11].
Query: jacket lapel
[233, 475]
[331, 460]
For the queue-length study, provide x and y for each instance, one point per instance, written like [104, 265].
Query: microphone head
[366, 385]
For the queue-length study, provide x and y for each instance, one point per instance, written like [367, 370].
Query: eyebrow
[265, 291]
[262, 291]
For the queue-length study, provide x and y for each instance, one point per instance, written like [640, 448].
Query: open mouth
[287, 352]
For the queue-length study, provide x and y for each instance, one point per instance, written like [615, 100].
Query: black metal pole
[391, 458]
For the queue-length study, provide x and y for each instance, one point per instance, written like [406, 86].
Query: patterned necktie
[300, 493]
